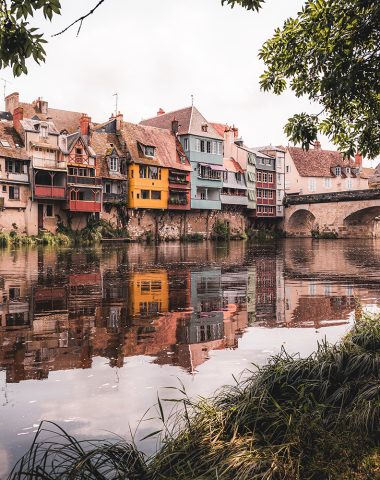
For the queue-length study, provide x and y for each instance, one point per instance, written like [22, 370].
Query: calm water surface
[88, 338]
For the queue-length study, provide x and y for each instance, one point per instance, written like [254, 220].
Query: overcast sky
[157, 53]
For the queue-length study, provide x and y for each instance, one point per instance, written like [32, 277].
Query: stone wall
[166, 225]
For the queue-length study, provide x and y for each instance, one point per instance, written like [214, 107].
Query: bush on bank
[314, 418]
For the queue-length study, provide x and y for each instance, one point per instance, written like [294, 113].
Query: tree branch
[79, 20]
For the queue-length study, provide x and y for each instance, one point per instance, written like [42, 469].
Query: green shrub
[192, 237]
[220, 230]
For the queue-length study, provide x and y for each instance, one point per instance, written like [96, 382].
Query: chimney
[42, 106]
[85, 124]
[18, 115]
[358, 160]
[236, 132]
[12, 101]
[175, 126]
[160, 112]
[317, 145]
[119, 121]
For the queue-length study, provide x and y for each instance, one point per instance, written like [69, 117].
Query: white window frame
[186, 144]
[197, 145]
[327, 182]
[312, 184]
[114, 164]
[213, 148]
[219, 148]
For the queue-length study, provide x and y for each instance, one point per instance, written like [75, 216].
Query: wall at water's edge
[166, 225]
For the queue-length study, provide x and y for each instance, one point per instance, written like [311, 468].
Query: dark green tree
[330, 53]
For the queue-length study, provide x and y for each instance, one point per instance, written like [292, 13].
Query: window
[186, 144]
[287, 169]
[312, 184]
[149, 151]
[208, 147]
[338, 171]
[259, 176]
[78, 151]
[251, 158]
[44, 131]
[113, 164]
[270, 194]
[4, 143]
[279, 194]
[265, 193]
[142, 171]
[268, 161]
[270, 177]
[327, 182]
[219, 148]
[155, 195]
[279, 178]
[107, 188]
[4, 188]
[262, 161]
[204, 127]
[203, 195]
[213, 148]
[145, 194]
[258, 193]
[197, 145]
[349, 183]
[265, 177]
[202, 145]
[153, 173]
[49, 211]
[14, 193]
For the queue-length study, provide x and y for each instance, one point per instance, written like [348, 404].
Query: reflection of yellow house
[149, 293]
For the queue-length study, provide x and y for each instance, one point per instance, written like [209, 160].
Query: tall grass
[315, 418]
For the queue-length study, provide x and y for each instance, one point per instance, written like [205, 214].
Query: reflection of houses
[266, 289]
[251, 294]
[149, 293]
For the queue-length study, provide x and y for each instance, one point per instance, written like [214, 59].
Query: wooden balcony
[78, 180]
[50, 192]
[84, 206]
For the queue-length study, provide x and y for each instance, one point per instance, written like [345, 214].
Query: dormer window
[43, 131]
[5, 143]
[204, 127]
[347, 170]
[338, 171]
[114, 164]
[78, 151]
[149, 151]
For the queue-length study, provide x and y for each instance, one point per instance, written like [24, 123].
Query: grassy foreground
[314, 418]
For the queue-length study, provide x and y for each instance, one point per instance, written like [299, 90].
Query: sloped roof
[33, 125]
[63, 119]
[366, 172]
[317, 162]
[232, 165]
[220, 128]
[9, 134]
[167, 148]
[103, 144]
[190, 122]
[259, 153]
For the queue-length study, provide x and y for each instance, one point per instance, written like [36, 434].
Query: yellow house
[152, 154]
[149, 293]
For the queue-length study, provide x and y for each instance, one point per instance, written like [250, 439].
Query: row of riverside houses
[58, 167]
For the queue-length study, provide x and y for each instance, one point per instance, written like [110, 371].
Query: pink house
[322, 171]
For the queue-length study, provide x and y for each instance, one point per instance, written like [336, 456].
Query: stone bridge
[351, 214]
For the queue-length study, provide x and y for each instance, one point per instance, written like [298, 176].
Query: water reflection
[175, 303]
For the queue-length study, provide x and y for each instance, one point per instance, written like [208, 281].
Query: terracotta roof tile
[63, 119]
[9, 134]
[167, 148]
[366, 172]
[317, 162]
[232, 165]
[220, 128]
[190, 122]
[103, 143]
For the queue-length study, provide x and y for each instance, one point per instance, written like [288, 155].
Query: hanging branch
[79, 20]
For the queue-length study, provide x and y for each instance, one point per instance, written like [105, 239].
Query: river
[90, 337]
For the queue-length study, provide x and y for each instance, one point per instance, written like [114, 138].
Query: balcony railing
[114, 197]
[15, 177]
[210, 177]
[178, 200]
[78, 180]
[84, 206]
[179, 180]
[47, 163]
[47, 191]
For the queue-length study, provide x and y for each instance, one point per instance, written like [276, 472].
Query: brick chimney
[12, 101]
[236, 131]
[42, 105]
[358, 159]
[18, 115]
[160, 112]
[119, 121]
[317, 145]
[85, 121]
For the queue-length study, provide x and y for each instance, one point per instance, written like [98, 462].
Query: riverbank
[311, 418]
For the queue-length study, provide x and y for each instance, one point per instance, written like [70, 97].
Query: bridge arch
[301, 222]
[363, 223]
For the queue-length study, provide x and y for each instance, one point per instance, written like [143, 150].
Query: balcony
[115, 197]
[231, 199]
[179, 182]
[84, 206]
[48, 163]
[205, 204]
[78, 180]
[50, 192]
[179, 202]
[16, 177]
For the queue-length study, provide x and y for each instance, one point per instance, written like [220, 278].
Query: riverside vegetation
[296, 418]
